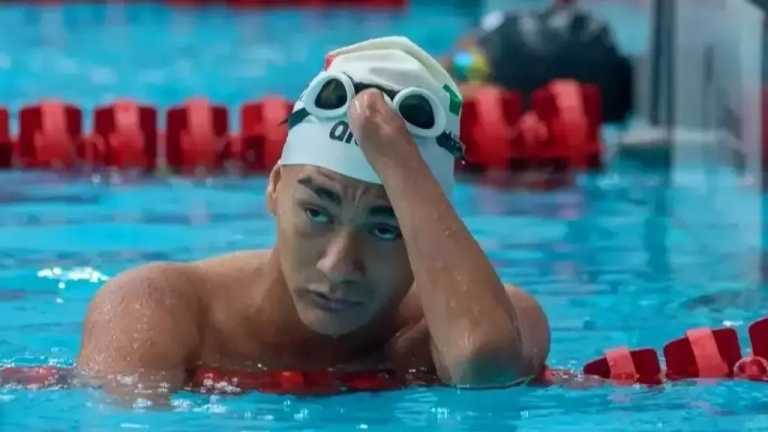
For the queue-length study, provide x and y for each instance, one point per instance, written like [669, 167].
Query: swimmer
[372, 268]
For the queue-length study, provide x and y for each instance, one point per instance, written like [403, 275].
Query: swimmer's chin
[329, 327]
[329, 322]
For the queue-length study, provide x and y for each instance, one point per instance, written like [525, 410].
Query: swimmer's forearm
[471, 319]
[472, 322]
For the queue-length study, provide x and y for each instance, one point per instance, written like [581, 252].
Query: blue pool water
[634, 255]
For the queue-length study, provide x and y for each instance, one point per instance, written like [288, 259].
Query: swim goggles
[330, 93]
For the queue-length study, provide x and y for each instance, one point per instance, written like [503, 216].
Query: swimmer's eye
[386, 232]
[317, 216]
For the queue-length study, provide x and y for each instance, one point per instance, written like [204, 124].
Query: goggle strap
[296, 117]
[450, 143]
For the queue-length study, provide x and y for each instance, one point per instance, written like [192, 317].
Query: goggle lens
[333, 95]
[417, 110]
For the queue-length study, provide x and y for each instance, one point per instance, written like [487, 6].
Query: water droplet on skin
[126, 379]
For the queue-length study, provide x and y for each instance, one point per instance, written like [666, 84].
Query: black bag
[526, 50]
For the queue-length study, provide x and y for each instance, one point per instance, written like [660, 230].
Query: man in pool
[372, 267]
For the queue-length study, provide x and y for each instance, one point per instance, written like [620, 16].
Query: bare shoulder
[165, 285]
[143, 319]
[233, 272]
[236, 263]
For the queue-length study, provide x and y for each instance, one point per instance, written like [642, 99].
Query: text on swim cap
[341, 132]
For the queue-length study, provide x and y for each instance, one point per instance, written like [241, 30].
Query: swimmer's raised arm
[476, 333]
[140, 332]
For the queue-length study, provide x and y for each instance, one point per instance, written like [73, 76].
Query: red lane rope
[560, 131]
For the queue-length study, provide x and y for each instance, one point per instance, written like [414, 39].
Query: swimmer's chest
[408, 349]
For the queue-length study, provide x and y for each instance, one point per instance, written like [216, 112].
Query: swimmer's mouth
[331, 304]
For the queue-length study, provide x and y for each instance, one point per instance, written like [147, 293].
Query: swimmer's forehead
[310, 176]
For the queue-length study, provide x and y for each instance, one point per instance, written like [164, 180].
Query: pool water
[607, 257]
[634, 255]
[91, 54]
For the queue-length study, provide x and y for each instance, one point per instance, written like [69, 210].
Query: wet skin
[362, 276]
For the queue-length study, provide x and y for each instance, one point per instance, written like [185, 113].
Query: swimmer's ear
[274, 179]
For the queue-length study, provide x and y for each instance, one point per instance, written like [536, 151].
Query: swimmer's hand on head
[482, 335]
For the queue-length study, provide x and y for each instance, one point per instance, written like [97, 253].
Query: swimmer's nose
[342, 262]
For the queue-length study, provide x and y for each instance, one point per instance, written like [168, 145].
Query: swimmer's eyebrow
[321, 192]
[382, 211]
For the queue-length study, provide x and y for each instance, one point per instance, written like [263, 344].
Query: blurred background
[692, 94]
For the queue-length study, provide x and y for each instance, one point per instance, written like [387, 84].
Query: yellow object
[472, 66]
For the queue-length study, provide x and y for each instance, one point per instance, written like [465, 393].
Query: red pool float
[50, 135]
[489, 115]
[529, 134]
[125, 135]
[321, 382]
[629, 367]
[571, 112]
[6, 146]
[263, 133]
[758, 336]
[211, 380]
[703, 353]
[751, 368]
[197, 135]
[35, 376]
[755, 367]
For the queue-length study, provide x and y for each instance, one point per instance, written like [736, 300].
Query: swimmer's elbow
[489, 365]
[508, 353]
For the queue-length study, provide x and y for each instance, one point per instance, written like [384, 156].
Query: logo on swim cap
[455, 100]
[341, 132]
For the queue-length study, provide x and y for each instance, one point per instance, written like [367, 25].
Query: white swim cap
[417, 85]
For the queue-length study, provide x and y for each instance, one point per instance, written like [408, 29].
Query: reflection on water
[78, 273]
